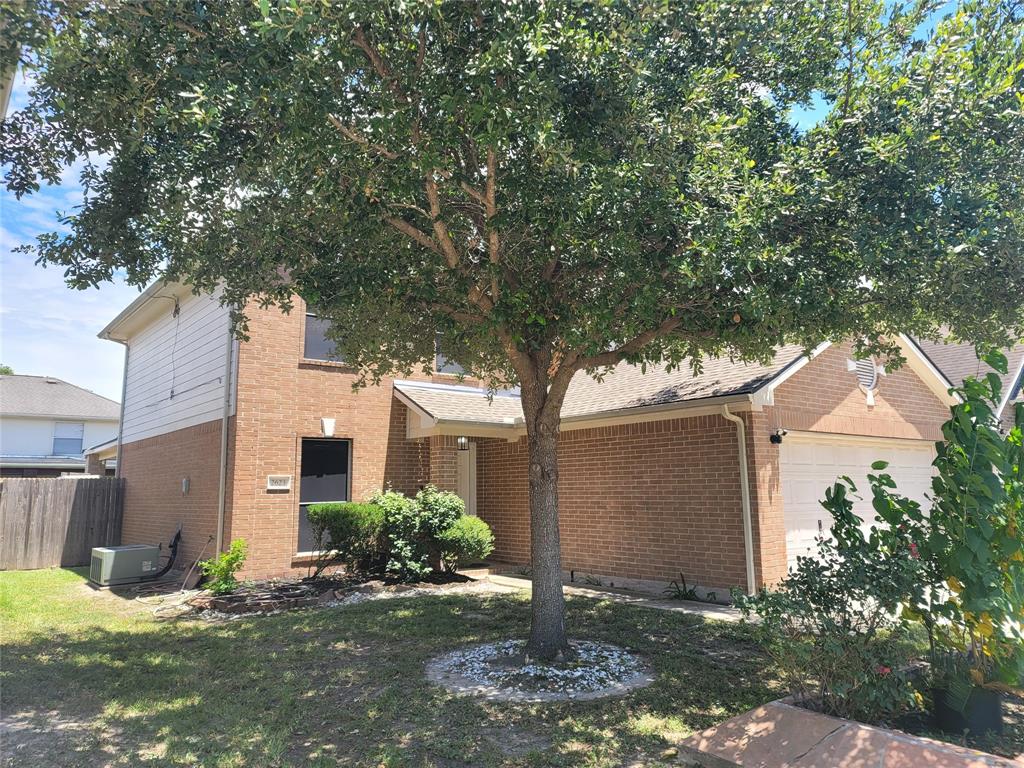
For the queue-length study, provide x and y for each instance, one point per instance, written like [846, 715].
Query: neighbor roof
[49, 396]
[625, 387]
[958, 361]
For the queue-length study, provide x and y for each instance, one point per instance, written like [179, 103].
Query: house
[46, 424]
[233, 439]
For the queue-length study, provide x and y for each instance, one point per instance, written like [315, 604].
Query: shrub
[834, 626]
[220, 570]
[468, 540]
[353, 532]
[412, 528]
[406, 555]
[438, 511]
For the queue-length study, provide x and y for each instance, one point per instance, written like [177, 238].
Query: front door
[466, 478]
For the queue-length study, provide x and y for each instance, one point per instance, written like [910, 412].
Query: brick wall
[640, 501]
[824, 397]
[281, 398]
[155, 503]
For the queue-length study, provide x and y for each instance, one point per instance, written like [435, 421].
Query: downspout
[225, 417]
[748, 527]
[120, 421]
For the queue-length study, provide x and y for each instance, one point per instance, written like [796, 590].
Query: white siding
[175, 373]
[22, 436]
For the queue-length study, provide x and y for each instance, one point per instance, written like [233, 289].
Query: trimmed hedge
[468, 540]
[406, 537]
[355, 531]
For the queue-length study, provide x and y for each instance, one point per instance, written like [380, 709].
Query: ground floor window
[324, 476]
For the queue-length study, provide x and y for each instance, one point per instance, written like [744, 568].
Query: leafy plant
[468, 540]
[678, 590]
[833, 624]
[350, 531]
[971, 596]
[221, 569]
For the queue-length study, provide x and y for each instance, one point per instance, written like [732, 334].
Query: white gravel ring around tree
[599, 670]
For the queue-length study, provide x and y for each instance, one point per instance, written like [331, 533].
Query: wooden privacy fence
[52, 521]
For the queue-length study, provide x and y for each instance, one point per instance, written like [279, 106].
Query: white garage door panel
[810, 465]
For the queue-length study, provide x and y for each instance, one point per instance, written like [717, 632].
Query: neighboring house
[958, 361]
[46, 424]
[233, 440]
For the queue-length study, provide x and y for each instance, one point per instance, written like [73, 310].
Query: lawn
[92, 679]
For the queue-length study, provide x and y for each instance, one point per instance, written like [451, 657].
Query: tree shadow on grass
[346, 686]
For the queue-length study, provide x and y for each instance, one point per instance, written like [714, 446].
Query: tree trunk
[542, 412]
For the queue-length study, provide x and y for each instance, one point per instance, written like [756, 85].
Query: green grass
[337, 686]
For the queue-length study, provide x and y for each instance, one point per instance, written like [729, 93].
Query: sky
[46, 328]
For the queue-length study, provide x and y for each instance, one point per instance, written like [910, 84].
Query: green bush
[468, 540]
[412, 528]
[220, 570]
[350, 531]
[833, 625]
[406, 553]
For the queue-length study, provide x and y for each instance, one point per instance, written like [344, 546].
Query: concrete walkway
[639, 599]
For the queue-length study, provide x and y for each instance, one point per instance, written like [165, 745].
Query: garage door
[809, 465]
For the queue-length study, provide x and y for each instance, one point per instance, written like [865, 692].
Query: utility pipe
[225, 417]
[748, 527]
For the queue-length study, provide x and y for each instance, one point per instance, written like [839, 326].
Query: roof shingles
[624, 387]
[46, 396]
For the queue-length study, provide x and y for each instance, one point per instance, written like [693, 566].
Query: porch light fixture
[462, 443]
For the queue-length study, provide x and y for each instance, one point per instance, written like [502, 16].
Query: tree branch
[633, 345]
[416, 234]
[440, 230]
[364, 142]
[379, 65]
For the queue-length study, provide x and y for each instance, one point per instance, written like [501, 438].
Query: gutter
[120, 421]
[748, 526]
[225, 417]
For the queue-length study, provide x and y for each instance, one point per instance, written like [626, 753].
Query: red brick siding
[824, 397]
[281, 399]
[641, 501]
[154, 504]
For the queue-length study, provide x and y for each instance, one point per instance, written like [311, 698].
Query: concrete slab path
[639, 599]
[780, 735]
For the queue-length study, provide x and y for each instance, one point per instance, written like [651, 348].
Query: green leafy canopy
[550, 186]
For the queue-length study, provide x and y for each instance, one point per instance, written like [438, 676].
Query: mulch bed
[1009, 744]
[278, 595]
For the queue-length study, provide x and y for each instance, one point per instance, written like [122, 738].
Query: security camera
[777, 436]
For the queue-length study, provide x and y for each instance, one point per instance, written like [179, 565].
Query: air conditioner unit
[112, 566]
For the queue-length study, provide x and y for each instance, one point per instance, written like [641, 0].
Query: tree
[6, 370]
[550, 187]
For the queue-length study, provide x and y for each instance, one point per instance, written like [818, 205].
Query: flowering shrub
[833, 624]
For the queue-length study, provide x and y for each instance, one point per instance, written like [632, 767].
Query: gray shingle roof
[47, 396]
[625, 387]
[958, 361]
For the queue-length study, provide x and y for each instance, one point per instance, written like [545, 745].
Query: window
[323, 477]
[316, 345]
[442, 364]
[67, 438]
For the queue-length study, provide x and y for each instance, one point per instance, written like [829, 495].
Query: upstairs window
[67, 438]
[316, 345]
[442, 364]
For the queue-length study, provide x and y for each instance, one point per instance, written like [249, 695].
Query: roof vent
[867, 372]
[52, 381]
